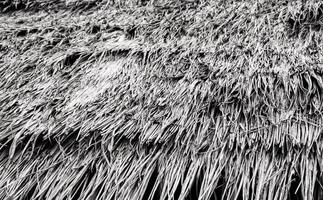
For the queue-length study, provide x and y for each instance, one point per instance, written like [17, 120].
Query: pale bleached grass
[161, 100]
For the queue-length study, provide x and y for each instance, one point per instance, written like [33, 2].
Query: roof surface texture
[169, 100]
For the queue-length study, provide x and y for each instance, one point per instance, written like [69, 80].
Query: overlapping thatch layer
[161, 100]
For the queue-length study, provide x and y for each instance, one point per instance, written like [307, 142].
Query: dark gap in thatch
[5, 144]
[28, 68]
[168, 6]
[83, 183]
[121, 139]
[177, 191]
[114, 28]
[71, 59]
[148, 147]
[295, 188]
[119, 52]
[3, 48]
[131, 32]
[30, 193]
[95, 29]
[150, 187]
[318, 187]
[12, 5]
[85, 5]
[98, 191]
[22, 33]
[307, 20]
[36, 143]
[196, 187]
[47, 30]
[71, 137]
[143, 2]
[33, 30]
[218, 192]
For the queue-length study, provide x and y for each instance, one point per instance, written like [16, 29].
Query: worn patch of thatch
[161, 99]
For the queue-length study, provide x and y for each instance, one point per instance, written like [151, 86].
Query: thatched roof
[187, 99]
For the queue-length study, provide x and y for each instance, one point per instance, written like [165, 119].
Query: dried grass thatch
[189, 99]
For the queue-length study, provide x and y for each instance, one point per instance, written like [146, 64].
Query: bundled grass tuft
[306, 20]
[161, 99]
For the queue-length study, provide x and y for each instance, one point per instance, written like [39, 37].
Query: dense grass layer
[47, 5]
[161, 100]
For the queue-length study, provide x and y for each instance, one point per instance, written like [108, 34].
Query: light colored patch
[94, 83]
